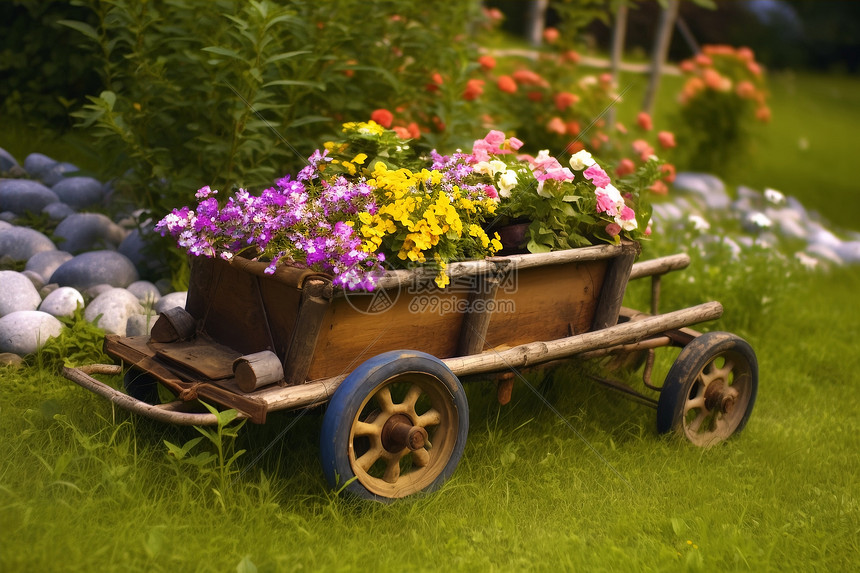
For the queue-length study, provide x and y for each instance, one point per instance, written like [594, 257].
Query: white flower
[809, 262]
[507, 181]
[760, 220]
[699, 223]
[614, 194]
[482, 167]
[774, 196]
[580, 160]
[627, 224]
[497, 166]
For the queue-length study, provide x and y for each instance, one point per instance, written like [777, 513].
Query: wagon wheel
[141, 385]
[710, 390]
[397, 424]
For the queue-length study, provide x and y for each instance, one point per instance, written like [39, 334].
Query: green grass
[88, 488]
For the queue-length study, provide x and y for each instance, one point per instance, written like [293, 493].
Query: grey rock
[34, 278]
[10, 360]
[114, 306]
[46, 262]
[8, 217]
[63, 301]
[134, 247]
[48, 289]
[667, 212]
[824, 252]
[38, 164]
[709, 188]
[24, 196]
[22, 243]
[17, 293]
[88, 231]
[821, 235]
[849, 251]
[95, 267]
[7, 162]
[79, 192]
[164, 285]
[5, 225]
[798, 208]
[26, 331]
[140, 324]
[57, 211]
[171, 300]
[145, 291]
[745, 192]
[95, 290]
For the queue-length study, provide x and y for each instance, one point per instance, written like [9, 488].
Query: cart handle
[660, 266]
[162, 412]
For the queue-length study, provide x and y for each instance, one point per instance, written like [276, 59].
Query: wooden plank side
[349, 337]
[547, 303]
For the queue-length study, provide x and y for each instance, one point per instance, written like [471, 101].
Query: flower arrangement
[370, 199]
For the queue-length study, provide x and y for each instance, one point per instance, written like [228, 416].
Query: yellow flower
[360, 158]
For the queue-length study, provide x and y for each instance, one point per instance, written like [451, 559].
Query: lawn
[87, 487]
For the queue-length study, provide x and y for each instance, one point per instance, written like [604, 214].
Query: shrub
[722, 98]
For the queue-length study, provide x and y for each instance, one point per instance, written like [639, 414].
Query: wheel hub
[399, 433]
[720, 397]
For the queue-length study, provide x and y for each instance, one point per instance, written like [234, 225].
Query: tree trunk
[536, 21]
[618, 33]
[658, 54]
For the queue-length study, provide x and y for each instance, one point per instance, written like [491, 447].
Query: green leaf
[309, 119]
[316, 85]
[284, 56]
[81, 27]
[226, 52]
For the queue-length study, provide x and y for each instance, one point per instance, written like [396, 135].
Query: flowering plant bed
[371, 199]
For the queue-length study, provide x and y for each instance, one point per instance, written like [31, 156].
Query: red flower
[659, 188]
[571, 56]
[535, 96]
[528, 77]
[506, 84]
[383, 117]
[414, 131]
[644, 121]
[668, 171]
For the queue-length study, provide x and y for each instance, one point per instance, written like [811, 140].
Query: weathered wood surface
[81, 376]
[659, 266]
[614, 285]
[173, 324]
[473, 332]
[256, 370]
[318, 392]
[315, 301]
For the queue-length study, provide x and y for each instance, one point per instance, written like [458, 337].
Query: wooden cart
[389, 362]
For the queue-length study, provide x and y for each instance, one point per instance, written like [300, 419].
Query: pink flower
[515, 143]
[597, 175]
[613, 229]
[627, 214]
[491, 192]
[556, 125]
[605, 204]
[495, 138]
[666, 139]
[644, 121]
[625, 167]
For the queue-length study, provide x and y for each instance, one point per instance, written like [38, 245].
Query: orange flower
[564, 100]
[703, 60]
[575, 147]
[474, 89]
[620, 127]
[506, 84]
[659, 188]
[383, 117]
[763, 114]
[745, 54]
[573, 128]
[571, 56]
[643, 120]
[687, 66]
[550, 35]
[487, 62]
[625, 167]
[401, 132]
[535, 96]
[668, 171]
[666, 139]
[528, 77]
[746, 90]
[754, 68]
[556, 125]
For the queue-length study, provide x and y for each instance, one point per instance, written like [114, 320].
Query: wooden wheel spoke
[431, 417]
[694, 403]
[364, 429]
[366, 461]
[383, 399]
[392, 471]
[696, 424]
[421, 458]
[412, 397]
[726, 370]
